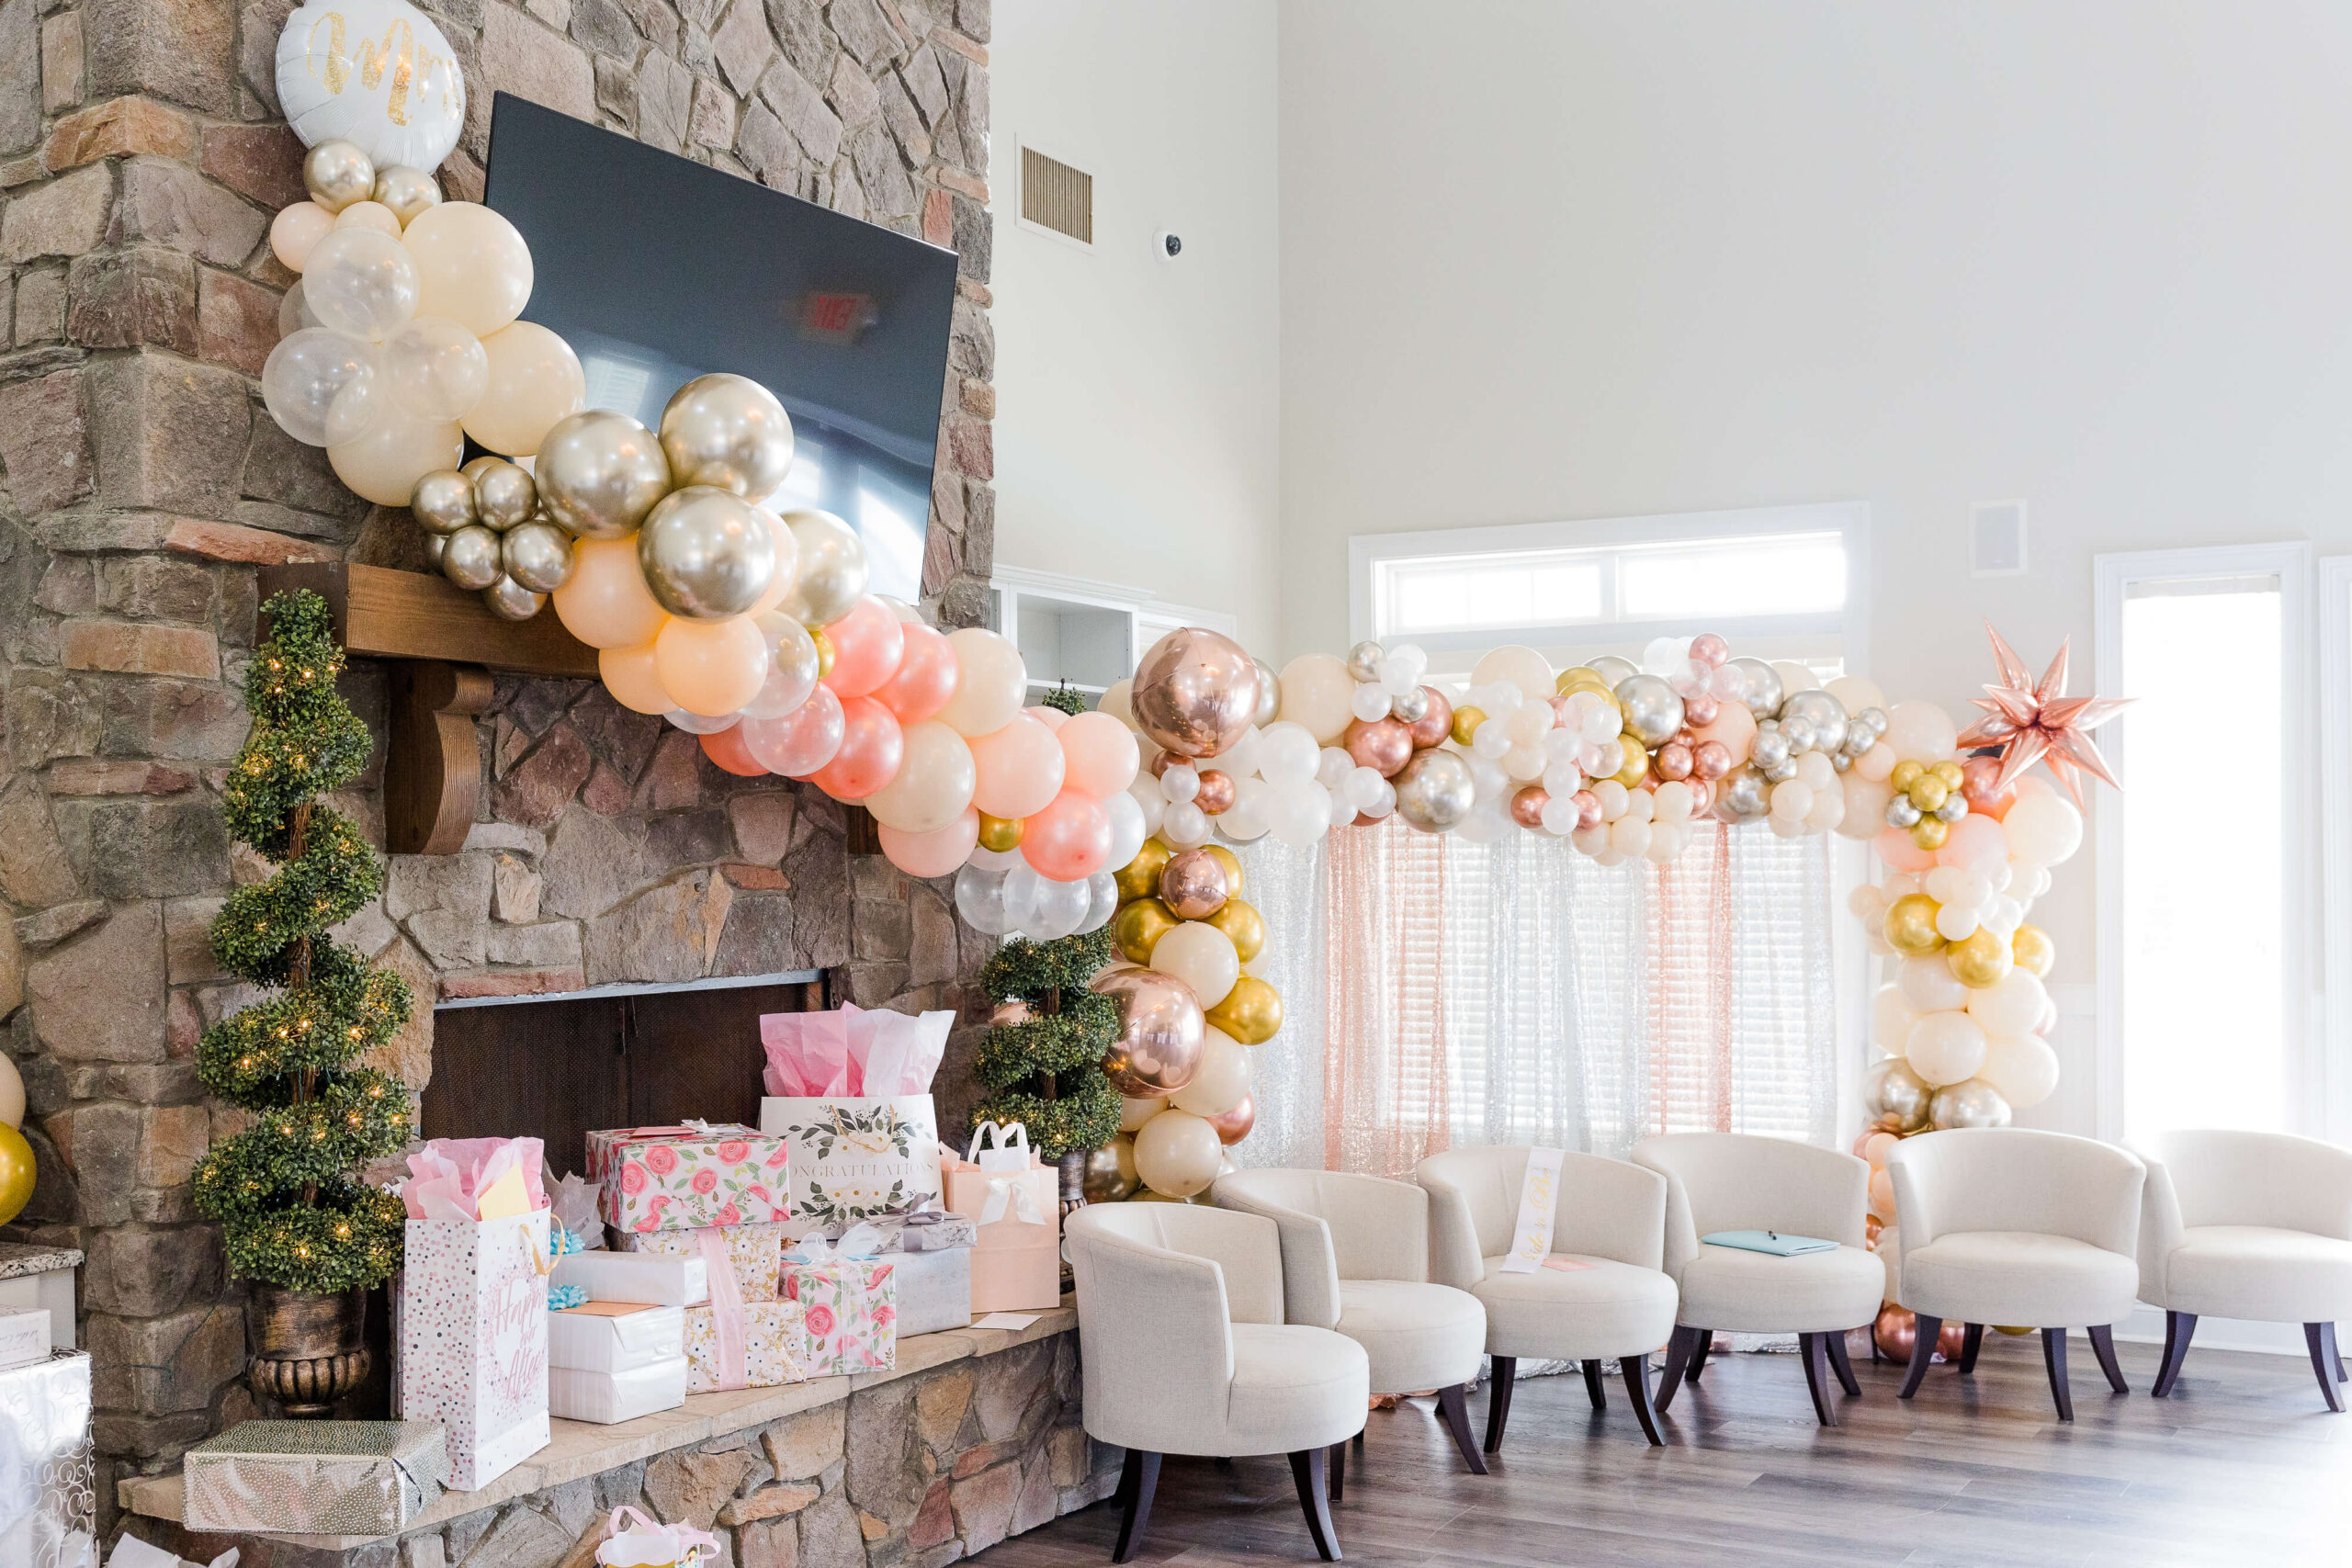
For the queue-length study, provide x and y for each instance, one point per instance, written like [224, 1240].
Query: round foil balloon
[1161, 1030]
[1196, 691]
[1110, 1176]
[1894, 1100]
[1193, 885]
[728, 430]
[600, 473]
[707, 553]
[377, 73]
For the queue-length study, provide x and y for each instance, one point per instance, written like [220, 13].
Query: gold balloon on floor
[1110, 1176]
[17, 1173]
[1251, 1012]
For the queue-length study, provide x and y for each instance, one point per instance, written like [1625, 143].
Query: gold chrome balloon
[825, 650]
[17, 1173]
[1930, 832]
[1139, 878]
[1158, 1048]
[1232, 864]
[1466, 721]
[727, 431]
[407, 191]
[1950, 772]
[1911, 925]
[443, 502]
[1110, 1175]
[1971, 1104]
[829, 571]
[2033, 951]
[1139, 926]
[707, 554]
[510, 600]
[1251, 1012]
[1979, 960]
[338, 174]
[600, 473]
[1905, 775]
[1637, 760]
[505, 496]
[1242, 926]
[470, 557]
[999, 833]
[1894, 1098]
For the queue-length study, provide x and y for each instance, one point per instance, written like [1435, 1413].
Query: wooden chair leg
[2103, 1346]
[1699, 1355]
[1841, 1366]
[2320, 1339]
[1498, 1400]
[1679, 1346]
[2180, 1327]
[1970, 1344]
[1592, 1370]
[1139, 1479]
[1338, 1469]
[1308, 1471]
[1454, 1404]
[1816, 1357]
[1923, 1351]
[1637, 1389]
[2053, 1356]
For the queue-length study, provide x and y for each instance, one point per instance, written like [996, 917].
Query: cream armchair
[1183, 1350]
[2252, 1225]
[1601, 1295]
[1356, 1259]
[2005, 1225]
[1729, 1181]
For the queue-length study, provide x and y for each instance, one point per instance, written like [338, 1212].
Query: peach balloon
[867, 643]
[1977, 843]
[1100, 754]
[534, 380]
[605, 603]
[1734, 728]
[993, 680]
[296, 229]
[628, 673]
[471, 266]
[788, 564]
[712, 667]
[1021, 768]
[1895, 848]
[873, 747]
[925, 678]
[934, 784]
[1978, 782]
[384, 462]
[368, 215]
[1070, 839]
[1051, 718]
[727, 748]
[931, 855]
[797, 744]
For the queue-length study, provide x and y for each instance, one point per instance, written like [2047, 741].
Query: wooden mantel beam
[382, 614]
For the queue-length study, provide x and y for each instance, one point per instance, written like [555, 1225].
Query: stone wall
[141, 159]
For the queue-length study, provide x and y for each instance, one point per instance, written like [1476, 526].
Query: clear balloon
[302, 376]
[832, 573]
[362, 283]
[798, 742]
[980, 898]
[436, 368]
[792, 666]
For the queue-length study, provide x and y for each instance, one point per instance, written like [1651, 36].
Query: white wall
[1584, 260]
[1137, 416]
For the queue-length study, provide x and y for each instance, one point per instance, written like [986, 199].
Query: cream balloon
[1177, 1154]
[297, 229]
[2011, 1005]
[2043, 828]
[1117, 702]
[1203, 957]
[1316, 691]
[2022, 1066]
[368, 215]
[1928, 986]
[934, 786]
[710, 668]
[1522, 667]
[1920, 731]
[1133, 1113]
[473, 265]
[1221, 1081]
[993, 684]
[383, 464]
[628, 675]
[12, 1093]
[788, 564]
[1855, 693]
[1945, 1048]
[377, 73]
[1891, 1016]
[534, 380]
[607, 603]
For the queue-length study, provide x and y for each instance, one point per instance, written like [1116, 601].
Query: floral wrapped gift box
[658, 1179]
[850, 1304]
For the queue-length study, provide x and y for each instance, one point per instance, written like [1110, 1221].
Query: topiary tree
[1044, 1067]
[283, 1191]
[1064, 698]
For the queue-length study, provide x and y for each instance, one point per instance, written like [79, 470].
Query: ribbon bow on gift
[1011, 1191]
[861, 1242]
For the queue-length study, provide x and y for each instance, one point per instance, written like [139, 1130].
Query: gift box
[615, 1336]
[577, 1393]
[24, 1338]
[750, 1345]
[648, 1278]
[315, 1477]
[851, 1298]
[927, 1227]
[754, 1253]
[48, 1471]
[934, 1290]
[1014, 1200]
[675, 1179]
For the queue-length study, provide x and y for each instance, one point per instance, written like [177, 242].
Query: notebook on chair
[1772, 1242]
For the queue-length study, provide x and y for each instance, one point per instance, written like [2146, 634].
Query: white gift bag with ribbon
[1539, 1193]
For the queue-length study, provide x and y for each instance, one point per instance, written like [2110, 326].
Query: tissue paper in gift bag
[315, 1477]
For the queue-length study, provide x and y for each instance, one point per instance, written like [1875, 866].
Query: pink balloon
[1051, 718]
[926, 677]
[1018, 768]
[1895, 848]
[1976, 843]
[868, 645]
[797, 743]
[1070, 839]
[931, 855]
[872, 748]
[731, 750]
[1100, 753]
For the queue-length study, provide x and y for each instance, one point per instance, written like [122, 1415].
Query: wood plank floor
[2243, 1465]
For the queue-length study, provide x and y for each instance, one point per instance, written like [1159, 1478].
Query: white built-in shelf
[1083, 633]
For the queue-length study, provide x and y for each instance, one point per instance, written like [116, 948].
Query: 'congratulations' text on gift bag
[474, 1339]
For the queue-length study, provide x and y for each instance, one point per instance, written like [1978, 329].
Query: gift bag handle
[702, 1543]
[1004, 1136]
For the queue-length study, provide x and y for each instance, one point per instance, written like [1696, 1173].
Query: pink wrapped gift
[851, 1300]
[675, 1179]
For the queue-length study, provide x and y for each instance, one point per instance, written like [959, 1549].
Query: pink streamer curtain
[1385, 1065]
[1689, 1003]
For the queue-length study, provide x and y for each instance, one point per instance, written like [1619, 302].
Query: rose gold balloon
[1161, 1028]
[1218, 789]
[1673, 761]
[1951, 1340]
[1234, 1125]
[1588, 808]
[1364, 820]
[1014, 1011]
[1383, 745]
[1871, 1224]
[1977, 777]
[1433, 727]
[1527, 805]
[1194, 883]
[1700, 711]
[1896, 1330]
[1710, 759]
[1163, 761]
[1196, 691]
[1702, 796]
[1710, 650]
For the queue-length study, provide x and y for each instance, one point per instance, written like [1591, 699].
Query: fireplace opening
[558, 1067]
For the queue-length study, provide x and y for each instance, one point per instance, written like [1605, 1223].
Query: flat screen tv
[657, 269]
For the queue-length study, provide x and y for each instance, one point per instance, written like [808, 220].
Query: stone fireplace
[141, 156]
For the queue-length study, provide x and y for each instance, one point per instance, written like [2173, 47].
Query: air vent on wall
[1996, 539]
[1057, 197]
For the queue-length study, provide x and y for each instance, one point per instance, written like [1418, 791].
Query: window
[2201, 894]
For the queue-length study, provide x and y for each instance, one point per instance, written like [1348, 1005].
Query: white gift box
[24, 1338]
[849, 1160]
[645, 1277]
[934, 1290]
[578, 1394]
[474, 1340]
[616, 1336]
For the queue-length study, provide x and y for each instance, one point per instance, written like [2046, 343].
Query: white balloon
[2043, 828]
[1203, 957]
[1929, 986]
[2023, 1068]
[1299, 812]
[377, 73]
[1287, 752]
[1184, 824]
[1369, 702]
[2011, 1005]
[1222, 1079]
[1332, 771]
[1145, 793]
[1180, 783]
[1128, 829]
[1945, 1048]
[1891, 1016]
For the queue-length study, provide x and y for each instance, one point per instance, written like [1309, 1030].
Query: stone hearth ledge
[583, 1448]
